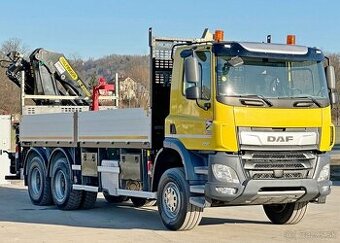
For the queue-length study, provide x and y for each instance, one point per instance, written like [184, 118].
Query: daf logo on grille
[280, 139]
[278, 173]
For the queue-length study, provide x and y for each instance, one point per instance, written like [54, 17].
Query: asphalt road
[20, 221]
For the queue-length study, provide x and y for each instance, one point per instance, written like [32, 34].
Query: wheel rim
[171, 200]
[36, 182]
[60, 185]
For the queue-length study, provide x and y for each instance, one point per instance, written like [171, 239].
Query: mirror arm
[327, 58]
[205, 107]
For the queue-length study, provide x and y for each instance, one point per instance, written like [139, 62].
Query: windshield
[270, 78]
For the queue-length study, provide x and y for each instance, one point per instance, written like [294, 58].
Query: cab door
[190, 119]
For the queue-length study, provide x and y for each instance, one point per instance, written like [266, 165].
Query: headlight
[324, 173]
[225, 173]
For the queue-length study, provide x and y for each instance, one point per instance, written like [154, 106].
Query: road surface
[20, 221]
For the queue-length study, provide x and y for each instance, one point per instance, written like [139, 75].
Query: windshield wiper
[309, 98]
[261, 97]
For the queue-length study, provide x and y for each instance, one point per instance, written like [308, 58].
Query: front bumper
[265, 191]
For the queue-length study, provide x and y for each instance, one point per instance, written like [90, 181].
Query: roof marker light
[290, 39]
[219, 35]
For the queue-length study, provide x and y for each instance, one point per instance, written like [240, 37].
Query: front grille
[278, 165]
[265, 176]
[287, 175]
[278, 156]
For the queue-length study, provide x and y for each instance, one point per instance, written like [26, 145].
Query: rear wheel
[88, 200]
[63, 195]
[39, 188]
[143, 202]
[175, 210]
[289, 213]
[114, 199]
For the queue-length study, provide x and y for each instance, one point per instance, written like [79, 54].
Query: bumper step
[201, 170]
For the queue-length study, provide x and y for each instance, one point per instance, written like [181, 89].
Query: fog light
[226, 190]
[324, 173]
[225, 173]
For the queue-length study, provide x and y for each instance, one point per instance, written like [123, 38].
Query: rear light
[149, 163]
[17, 151]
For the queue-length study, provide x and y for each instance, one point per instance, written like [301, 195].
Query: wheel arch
[41, 152]
[56, 154]
[174, 154]
[165, 159]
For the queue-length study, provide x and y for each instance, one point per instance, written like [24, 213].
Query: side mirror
[192, 73]
[330, 75]
[192, 93]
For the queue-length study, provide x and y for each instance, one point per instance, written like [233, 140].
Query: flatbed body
[110, 128]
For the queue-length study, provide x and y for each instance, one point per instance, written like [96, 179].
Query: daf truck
[230, 123]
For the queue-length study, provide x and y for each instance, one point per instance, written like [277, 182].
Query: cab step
[201, 170]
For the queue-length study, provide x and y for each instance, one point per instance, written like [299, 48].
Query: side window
[204, 62]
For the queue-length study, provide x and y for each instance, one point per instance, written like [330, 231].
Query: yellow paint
[190, 120]
[73, 74]
[229, 118]
[68, 68]
[277, 117]
[43, 138]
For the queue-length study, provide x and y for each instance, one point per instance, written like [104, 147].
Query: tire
[289, 213]
[114, 199]
[88, 200]
[175, 210]
[63, 195]
[39, 184]
[142, 202]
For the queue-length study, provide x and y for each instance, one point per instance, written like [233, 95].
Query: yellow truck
[230, 123]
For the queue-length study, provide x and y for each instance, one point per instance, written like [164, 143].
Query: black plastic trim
[276, 102]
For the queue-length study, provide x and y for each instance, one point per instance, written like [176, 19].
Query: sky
[95, 28]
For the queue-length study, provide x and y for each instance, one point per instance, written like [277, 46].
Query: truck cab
[255, 120]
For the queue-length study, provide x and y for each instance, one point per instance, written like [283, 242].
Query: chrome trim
[202, 170]
[108, 169]
[197, 189]
[85, 188]
[143, 194]
[284, 138]
[274, 48]
[76, 167]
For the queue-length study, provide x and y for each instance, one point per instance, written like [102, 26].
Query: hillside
[132, 66]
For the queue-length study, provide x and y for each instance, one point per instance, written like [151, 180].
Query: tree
[13, 44]
[10, 93]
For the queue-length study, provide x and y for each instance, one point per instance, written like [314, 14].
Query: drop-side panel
[122, 126]
[47, 128]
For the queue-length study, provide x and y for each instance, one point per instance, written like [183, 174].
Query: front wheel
[289, 213]
[175, 210]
